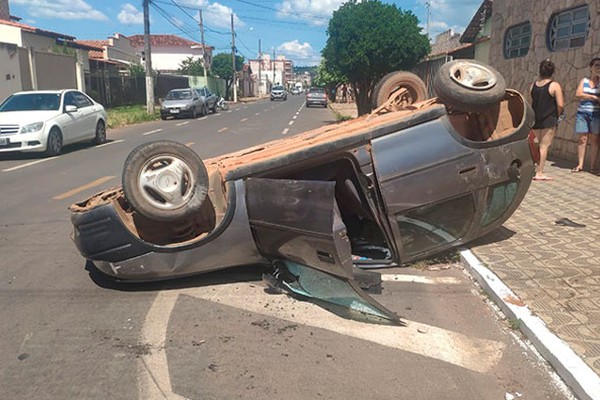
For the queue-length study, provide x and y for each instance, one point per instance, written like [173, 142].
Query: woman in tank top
[587, 119]
[548, 104]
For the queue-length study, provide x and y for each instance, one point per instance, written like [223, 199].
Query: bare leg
[583, 138]
[545, 137]
[594, 150]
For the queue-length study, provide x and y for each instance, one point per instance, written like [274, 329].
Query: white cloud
[448, 14]
[62, 9]
[316, 12]
[130, 15]
[219, 16]
[192, 3]
[300, 53]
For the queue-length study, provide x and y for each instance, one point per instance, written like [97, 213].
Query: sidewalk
[546, 276]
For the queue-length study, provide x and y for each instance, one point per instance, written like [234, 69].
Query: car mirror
[70, 108]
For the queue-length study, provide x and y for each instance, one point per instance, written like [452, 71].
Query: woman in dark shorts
[548, 104]
[587, 119]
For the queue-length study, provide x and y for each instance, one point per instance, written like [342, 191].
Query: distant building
[168, 51]
[268, 72]
[117, 50]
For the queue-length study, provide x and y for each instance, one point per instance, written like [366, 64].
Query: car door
[88, 112]
[431, 186]
[72, 124]
[298, 226]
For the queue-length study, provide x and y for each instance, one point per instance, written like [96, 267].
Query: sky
[294, 28]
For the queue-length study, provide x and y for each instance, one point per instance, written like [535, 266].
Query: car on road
[414, 178]
[315, 96]
[278, 92]
[181, 103]
[295, 91]
[209, 100]
[46, 120]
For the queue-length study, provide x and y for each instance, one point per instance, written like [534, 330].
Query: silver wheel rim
[101, 132]
[54, 142]
[166, 182]
[472, 76]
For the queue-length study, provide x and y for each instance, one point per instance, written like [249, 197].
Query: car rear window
[179, 95]
[317, 90]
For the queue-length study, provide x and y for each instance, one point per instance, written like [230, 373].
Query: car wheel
[100, 133]
[163, 117]
[391, 83]
[55, 142]
[205, 110]
[214, 108]
[469, 85]
[194, 113]
[165, 180]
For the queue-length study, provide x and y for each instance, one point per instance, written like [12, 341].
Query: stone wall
[571, 65]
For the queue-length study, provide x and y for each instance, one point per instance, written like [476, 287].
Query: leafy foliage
[137, 70]
[369, 39]
[222, 68]
[191, 66]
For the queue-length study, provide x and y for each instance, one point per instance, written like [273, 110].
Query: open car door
[297, 225]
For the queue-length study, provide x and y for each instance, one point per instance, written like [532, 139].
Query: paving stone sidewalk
[553, 268]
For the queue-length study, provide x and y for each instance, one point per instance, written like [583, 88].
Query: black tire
[163, 117]
[469, 85]
[214, 108]
[194, 113]
[392, 82]
[165, 181]
[100, 133]
[54, 144]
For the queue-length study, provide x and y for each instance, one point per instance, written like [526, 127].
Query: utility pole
[428, 5]
[148, 61]
[203, 46]
[259, 69]
[234, 79]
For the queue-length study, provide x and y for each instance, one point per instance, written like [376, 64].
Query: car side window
[81, 100]
[70, 99]
[436, 225]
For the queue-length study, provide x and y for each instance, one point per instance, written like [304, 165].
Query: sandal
[577, 169]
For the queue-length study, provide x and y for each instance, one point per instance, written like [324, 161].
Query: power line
[297, 14]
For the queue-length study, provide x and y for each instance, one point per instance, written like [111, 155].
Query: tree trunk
[363, 97]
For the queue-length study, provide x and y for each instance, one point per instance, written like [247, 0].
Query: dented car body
[397, 185]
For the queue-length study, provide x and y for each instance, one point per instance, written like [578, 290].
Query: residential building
[566, 32]
[116, 50]
[168, 51]
[34, 58]
[269, 71]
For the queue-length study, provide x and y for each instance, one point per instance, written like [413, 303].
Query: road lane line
[109, 143]
[476, 354]
[190, 144]
[243, 119]
[285, 131]
[152, 132]
[28, 164]
[182, 123]
[294, 117]
[420, 279]
[70, 193]
[202, 118]
[291, 123]
[257, 114]
[222, 129]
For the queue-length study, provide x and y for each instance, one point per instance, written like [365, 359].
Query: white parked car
[46, 120]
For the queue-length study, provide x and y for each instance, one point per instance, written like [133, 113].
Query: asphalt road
[69, 333]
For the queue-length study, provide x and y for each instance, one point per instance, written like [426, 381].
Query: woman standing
[548, 104]
[587, 120]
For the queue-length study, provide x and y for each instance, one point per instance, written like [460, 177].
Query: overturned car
[412, 179]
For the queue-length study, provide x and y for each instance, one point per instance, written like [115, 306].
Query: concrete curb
[573, 370]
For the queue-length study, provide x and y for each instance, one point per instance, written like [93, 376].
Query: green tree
[222, 68]
[369, 39]
[328, 78]
[137, 70]
[191, 66]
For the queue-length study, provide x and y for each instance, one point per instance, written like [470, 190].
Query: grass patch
[128, 115]
[515, 324]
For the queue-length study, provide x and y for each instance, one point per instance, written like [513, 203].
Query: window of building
[516, 40]
[569, 29]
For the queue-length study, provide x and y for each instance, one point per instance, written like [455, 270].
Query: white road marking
[285, 131]
[257, 114]
[294, 117]
[28, 164]
[182, 123]
[475, 354]
[152, 132]
[291, 123]
[222, 129]
[243, 119]
[201, 118]
[109, 143]
[419, 279]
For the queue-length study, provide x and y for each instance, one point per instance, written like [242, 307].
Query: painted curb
[584, 382]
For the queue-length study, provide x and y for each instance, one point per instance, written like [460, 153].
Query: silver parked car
[413, 179]
[181, 103]
[46, 120]
[209, 100]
